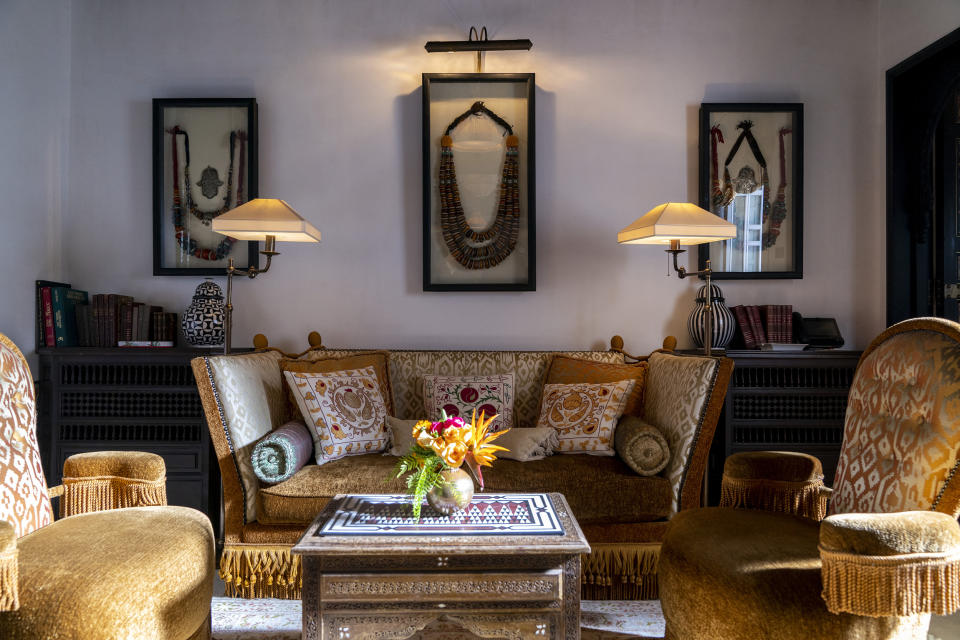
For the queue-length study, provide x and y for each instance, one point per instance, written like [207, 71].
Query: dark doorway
[923, 148]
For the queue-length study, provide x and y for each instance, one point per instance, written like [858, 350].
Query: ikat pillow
[459, 396]
[344, 411]
[584, 415]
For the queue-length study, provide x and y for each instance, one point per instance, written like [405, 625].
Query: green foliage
[423, 467]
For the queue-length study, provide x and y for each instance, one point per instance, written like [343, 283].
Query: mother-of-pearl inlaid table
[507, 566]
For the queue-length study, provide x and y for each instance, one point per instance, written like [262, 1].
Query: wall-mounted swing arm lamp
[676, 224]
[260, 220]
[477, 41]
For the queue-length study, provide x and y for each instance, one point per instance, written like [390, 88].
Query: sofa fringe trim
[9, 580]
[628, 570]
[899, 585]
[795, 498]
[101, 493]
[261, 571]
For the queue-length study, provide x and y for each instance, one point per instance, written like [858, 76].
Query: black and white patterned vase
[202, 321]
[724, 324]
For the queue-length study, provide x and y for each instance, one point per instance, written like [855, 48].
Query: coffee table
[508, 566]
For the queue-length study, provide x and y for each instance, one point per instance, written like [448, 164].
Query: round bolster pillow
[282, 452]
[641, 446]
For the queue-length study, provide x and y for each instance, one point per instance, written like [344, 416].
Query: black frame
[796, 109]
[529, 80]
[252, 188]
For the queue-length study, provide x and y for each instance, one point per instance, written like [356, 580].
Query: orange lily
[482, 453]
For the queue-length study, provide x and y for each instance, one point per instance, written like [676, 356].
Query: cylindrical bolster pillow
[282, 452]
[641, 446]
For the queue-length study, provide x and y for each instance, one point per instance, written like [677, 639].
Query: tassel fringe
[9, 585]
[611, 572]
[879, 586]
[621, 571]
[254, 571]
[87, 495]
[796, 498]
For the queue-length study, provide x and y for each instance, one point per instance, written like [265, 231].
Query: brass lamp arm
[708, 307]
[269, 250]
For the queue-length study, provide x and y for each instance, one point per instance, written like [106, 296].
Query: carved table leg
[310, 598]
[571, 598]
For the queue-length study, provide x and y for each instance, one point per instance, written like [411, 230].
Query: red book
[753, 313]
[768, 313]
[749, 340]
[49, 335]
[787, 311]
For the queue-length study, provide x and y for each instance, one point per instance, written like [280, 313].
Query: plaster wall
[619, 84]
[34, 101]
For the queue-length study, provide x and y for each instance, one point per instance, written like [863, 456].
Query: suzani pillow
[344, 411]
[584, 415]
[459, 396]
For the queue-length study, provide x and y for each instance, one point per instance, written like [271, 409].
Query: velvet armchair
[118, 564]
[785, 557]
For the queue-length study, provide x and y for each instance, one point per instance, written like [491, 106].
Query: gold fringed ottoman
[102, 480]
[776, 481]
[891, 564]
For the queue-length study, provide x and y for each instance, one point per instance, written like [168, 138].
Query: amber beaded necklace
[472, 248]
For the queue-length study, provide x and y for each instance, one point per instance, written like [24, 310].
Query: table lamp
[676, 224]
[261, 219]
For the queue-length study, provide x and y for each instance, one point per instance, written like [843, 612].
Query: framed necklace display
[751, 174]
[204, 164]
[479, 197]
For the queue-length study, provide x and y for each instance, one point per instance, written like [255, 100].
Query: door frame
[917, 91]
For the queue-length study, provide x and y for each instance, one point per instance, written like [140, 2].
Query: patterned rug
[239, 619]
[268, 619]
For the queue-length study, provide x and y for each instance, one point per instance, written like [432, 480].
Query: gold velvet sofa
[623, 514]
[118, 563]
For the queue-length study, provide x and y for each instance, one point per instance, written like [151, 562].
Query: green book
[64, 300]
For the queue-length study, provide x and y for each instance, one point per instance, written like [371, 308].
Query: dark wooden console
[92, 399]
[784, 402]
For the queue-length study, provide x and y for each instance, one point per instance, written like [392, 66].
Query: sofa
[623, 515]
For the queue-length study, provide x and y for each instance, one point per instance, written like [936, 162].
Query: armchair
[119, 564]
[770, 562]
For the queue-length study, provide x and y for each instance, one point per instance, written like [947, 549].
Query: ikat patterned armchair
[769, 563]
[103, 570]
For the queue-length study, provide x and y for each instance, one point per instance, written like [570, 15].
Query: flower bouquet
[434, 462]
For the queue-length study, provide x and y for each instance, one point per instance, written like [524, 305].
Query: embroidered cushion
[584, 415]
[23, 488]
[322, 362]
[460, 396]
[345, 411]
[407, 369]
[568, 370]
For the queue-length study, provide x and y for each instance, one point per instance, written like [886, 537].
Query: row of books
[760, 324]
[68, 317]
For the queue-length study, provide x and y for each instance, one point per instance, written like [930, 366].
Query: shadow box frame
[247, 253]
[743, 111]
[527, 151]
